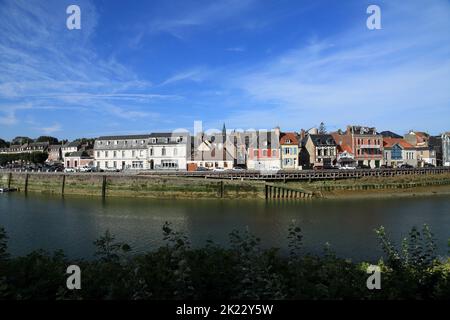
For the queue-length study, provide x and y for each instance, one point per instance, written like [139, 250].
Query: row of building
[357, 146]
[272, 150]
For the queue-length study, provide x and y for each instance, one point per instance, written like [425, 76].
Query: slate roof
[322, 140]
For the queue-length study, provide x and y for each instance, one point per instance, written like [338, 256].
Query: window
[115, 154]
[123, 154]
[163, 151]
[98, 154]
[151, 151]
[175, 151]
[396, 153]
[106, 164]
[106, 154]
[133, 153]
[114, 164]
[255, 153]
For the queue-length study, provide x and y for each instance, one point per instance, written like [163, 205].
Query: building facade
[365, 143]
[54, 153]
[289, 146]
[78, 159]
[319, 151]
[398, 152]
[426, 154]
[168, 151]
[122, 152]
[264, 151]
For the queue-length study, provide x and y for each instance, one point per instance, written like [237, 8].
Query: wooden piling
[9, 180]
[104, 187]
[26, 182]
[63, 184]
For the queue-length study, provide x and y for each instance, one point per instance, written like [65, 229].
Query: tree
[322, 128]
[4, 144]
[50, 140]
[21, 140]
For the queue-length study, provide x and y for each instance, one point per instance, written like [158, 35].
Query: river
[72, 223]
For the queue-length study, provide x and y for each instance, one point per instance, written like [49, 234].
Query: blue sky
[143, 66]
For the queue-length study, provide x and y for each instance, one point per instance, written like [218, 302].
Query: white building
[168, 151]
[122, 152]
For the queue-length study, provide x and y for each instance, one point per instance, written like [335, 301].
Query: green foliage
[243, 271]
[33, 157]
[50, 140]
[3, 244]
[4, 144]
[21, 140]
[108, 249]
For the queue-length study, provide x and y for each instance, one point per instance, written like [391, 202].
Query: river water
[72, 223]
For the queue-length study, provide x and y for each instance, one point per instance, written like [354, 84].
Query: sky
[150, 66]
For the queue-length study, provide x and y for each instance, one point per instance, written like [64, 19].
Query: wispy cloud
[236, 49]
[196, 75]
[51, 130]
[43, 65]
[192, 15]
[359, 76]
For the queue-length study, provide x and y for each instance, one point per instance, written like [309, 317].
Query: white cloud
[390, 76]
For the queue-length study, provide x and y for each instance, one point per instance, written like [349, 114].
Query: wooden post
[104, 187]
[266, 187]
[26, 182]
[221, 188]
[63, 184]
[9, 180]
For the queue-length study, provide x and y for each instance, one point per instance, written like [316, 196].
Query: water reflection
[73, 223]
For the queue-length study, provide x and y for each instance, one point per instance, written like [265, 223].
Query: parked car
[86, 169]
[111, 170]
[406, 166]
[347, 168]
[429, 165]
[363, 166]
[201, 169]
[69, 170]
[385, 166]
[219, 169]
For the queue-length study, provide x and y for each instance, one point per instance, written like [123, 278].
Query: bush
[243, 271]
